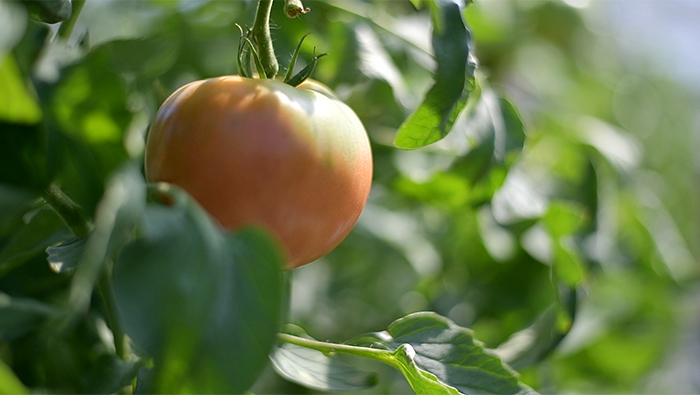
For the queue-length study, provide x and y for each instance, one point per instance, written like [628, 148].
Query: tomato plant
[530, 224]
[261, 152]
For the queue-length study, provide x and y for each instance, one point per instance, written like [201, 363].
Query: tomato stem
[263, 39]
[67, 26]
[67, 209]
[335, 348]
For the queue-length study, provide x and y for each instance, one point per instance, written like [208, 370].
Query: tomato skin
[260, 152]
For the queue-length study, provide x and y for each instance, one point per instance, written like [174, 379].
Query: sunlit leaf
[205, 304]
[16, 103]
[454, 80]
[438, 356]
[11, 385]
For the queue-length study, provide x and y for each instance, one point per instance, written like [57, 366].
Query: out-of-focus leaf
[146, 58]
[530, 345]
[117, 215]
[16, 103]
[568, 263]
[45, 228]
[13, 22]
[64, 257]
[23, 161]
[14, 203]
[563, 218]
[494, 133]
[444, 190]
[110, 374]
[11, 385]
[204, 304]
[20, 315]
[50, 11]
[313, 369]
[454, 80]
[438, 356]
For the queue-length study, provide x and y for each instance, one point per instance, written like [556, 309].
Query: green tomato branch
[263, 39]
[331, 348]
[67, 27]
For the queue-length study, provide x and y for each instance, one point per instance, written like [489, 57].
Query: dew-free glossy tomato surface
[260, 152]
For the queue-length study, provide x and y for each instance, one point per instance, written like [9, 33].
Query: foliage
[545, 200]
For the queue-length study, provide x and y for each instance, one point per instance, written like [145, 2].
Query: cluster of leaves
[491, 227]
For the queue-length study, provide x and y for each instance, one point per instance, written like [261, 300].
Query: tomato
[261, 152]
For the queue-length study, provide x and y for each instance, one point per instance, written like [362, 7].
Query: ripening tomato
[261, 152]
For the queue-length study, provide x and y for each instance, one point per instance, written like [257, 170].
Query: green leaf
[116, 217]
[44, 229]
[11, 385]
[563, 218]
[110, 374]
[568, 263]
[438, 356]
[203, 303]
[313, 369]
[454, 80]
[495, 135]
[20, 315]
[65, 256]
[17, 104]
[143, 58]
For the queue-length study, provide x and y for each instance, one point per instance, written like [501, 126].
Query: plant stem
[263, 39]
[104, 288]
[67, 26]
[327, 348]
[67, 209]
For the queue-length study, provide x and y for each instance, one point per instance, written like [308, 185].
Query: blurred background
[594, 219]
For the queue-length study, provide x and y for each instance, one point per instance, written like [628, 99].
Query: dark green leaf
[23, 161]
[117, 215]
[44, 229]
[20, 315]
[454, 80]
[64, 257]
[110, 374]
[204, 304]
[313, 369]
[436, 353]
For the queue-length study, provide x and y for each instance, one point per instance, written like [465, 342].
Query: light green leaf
[17, 104]
[454, 80]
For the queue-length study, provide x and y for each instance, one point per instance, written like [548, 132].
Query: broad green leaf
[438, 356]
[65, 256]
[20, 315]
[44, 229]
[17, 104]
[23, 161]
[203, 303]
[110, 374]
[454, 80]
[9, 383]
[313, 369]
